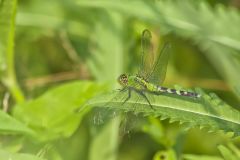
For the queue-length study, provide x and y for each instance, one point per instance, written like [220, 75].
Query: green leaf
[206, 112]
[141, 9]
[227, 153]
[106, 62]
[31, 19]
[108, 135]
[18, 156]
[234, 149]
[9, 125]
[53, 114]
[200, 157]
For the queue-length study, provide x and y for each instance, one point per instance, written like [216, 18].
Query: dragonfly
[151, 73]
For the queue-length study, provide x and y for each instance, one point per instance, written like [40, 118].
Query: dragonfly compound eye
[123, 79]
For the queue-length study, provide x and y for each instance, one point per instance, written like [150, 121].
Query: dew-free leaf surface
[53, 114]
[206, 112]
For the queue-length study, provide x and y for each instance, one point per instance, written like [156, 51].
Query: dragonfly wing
[158, 73]
[147, 54]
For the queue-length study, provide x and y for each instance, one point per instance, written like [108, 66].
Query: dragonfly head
[123, 80]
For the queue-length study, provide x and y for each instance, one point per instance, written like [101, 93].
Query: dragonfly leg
[129, 96]
[145, 97]
[122, 89]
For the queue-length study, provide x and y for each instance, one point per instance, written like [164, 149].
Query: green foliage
[228, 153]
[109, 51]
[7, 155]
[8, 9]
[7, 28]
[108, 134]
[59, 107]
[189, 20]
[198, 157]
[208, 111]
[58, 41]
[9, 125]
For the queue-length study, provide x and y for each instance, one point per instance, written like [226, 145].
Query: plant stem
[9, 76]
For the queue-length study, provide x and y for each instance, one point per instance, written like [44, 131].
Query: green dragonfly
[151, 73]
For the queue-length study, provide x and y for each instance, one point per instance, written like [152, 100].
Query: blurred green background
[55, 55]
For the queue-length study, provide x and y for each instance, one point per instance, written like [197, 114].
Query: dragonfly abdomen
[155, 88]
[178, 92]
